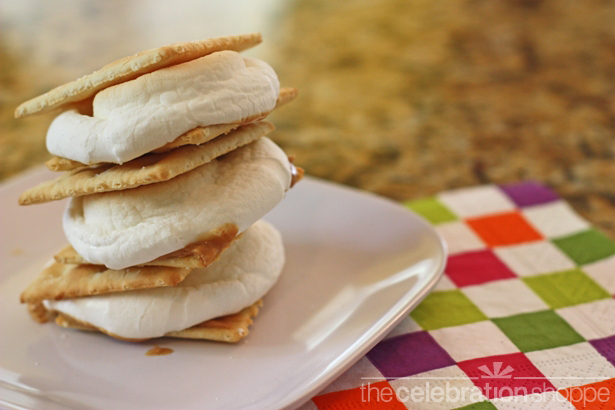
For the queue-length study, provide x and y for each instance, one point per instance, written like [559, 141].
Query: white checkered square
[440, 389]
[555, 219]
[469, 202]
[362, 372]
[460, 237]
[603, 272]
[310, 405]
[534, 258]
[445, 283]
[407, 325]
[474, 340]
[573, 365]
[593, 320]
[550, 400]
[504, 298]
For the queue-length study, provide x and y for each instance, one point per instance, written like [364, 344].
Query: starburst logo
[497, 372]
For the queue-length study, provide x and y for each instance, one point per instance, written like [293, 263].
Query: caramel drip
[296, 173]
[158, 351]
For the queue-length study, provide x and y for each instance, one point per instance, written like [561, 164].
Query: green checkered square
[538, 331]
[566, 288]
[432, 210]
[446, 308]
[481, 405]
[586, 247]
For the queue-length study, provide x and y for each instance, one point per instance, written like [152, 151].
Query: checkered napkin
[524, 317]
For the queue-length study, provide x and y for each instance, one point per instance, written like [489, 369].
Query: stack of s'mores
[169, 171]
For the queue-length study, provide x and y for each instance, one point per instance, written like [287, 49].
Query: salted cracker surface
[128, 68]
[148, 169]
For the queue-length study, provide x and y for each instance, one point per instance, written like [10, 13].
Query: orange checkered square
[508, 228]
[374, 396]
[595, 396]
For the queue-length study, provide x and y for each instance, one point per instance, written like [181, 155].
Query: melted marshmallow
[126, 228]
[138, 116]
[242, 275]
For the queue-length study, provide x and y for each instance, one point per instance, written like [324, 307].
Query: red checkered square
[473, 268]
[506, 375]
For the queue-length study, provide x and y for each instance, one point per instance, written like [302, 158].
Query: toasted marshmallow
[138, 116]
[243, 274]
[125, 228]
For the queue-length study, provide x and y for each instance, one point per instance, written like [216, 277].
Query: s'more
[166, 161]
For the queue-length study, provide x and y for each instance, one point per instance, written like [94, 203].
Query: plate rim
[401, 314]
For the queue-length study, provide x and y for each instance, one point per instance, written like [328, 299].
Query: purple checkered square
[409, 354]
[529, 193]
[606, 347]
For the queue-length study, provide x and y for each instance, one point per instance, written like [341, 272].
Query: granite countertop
[402, 98]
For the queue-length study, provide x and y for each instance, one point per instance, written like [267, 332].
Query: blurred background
[402, 98]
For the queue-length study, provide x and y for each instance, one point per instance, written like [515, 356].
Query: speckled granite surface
[408, 98]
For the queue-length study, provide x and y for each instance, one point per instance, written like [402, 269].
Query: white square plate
[356, 265]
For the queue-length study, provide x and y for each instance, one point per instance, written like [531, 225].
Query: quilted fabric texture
[523, 318]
